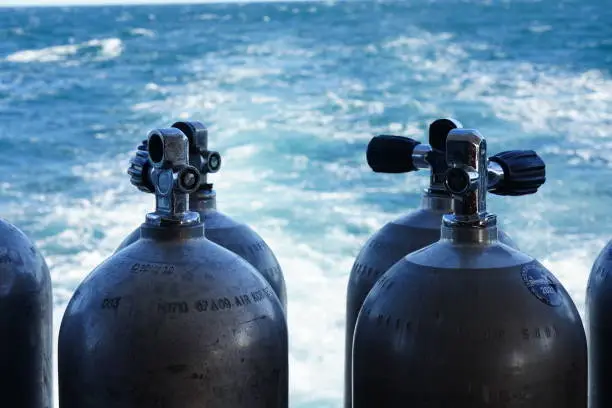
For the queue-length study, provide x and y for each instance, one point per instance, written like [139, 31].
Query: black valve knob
[438, 132]
[139, 169]
[524, 172]
[391, 154]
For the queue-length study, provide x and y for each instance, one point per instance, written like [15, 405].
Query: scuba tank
[599, 329]
[409, 232]
[469, 322]
[173, 320]
[219, 228]
[26, 322]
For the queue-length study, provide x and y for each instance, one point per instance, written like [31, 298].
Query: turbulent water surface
[292, 93]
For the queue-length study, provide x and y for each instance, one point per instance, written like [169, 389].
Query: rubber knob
[391, 154]
[438, 132]
[524, 172]
[139, 169]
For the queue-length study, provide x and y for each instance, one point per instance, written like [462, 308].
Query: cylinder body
[469, 326]
[387, 246]
[241, 240]
[599, 328]
[26, 323]
[174, 321]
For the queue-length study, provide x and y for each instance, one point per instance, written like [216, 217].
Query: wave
[144, 32]
[105, 49]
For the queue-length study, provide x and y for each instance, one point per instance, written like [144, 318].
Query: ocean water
[292, 93]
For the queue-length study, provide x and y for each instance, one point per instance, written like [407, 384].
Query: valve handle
[391, 154]
[140, 168]
[524, 172]
[438, 132]
[200, 157]
[172, 177]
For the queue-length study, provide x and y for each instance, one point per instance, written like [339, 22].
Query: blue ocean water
[292, 93]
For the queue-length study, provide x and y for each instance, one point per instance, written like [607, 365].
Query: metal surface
[26, 369]
[599, 328]
[466, 178]
[468, 334]
[388, 245]
[469, 322]
[174, 321]
[495, 173]
[420, 155]
[238, 238]
[174, 179]
[218, 227]
[404, 235]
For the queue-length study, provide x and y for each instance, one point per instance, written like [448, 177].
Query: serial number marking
[152, 268]
[111, 303]
[213, 305]
[361, 270]
[489, 334]
[256, 247]
[540, 332]
[225, 303]
[217, 304]
[173, 307]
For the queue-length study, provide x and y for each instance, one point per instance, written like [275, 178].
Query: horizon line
[107, 3]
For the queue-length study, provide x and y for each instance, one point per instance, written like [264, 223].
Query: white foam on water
[108, 48]
[237, 74]
[538, 97]
[207, 17]
[144, 32]
[572, 268]
[49, 54]
[544, 99]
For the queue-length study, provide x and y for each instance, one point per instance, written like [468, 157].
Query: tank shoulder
[421, 218]
[197, 260]
[10, 234]
[444, 254]
[604, 258]
[598, 283]
[22, 266]
[130, 239]
[215, 219]
[232, 230]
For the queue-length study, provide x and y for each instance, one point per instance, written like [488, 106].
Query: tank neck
[469, 233]
[171, 232]
[437, 201]
[203, 200]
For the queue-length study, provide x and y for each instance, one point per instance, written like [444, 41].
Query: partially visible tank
[599, 329]
[469, 322]
[220, 228]
[26, 322]
[173, 320]
[409, 232]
